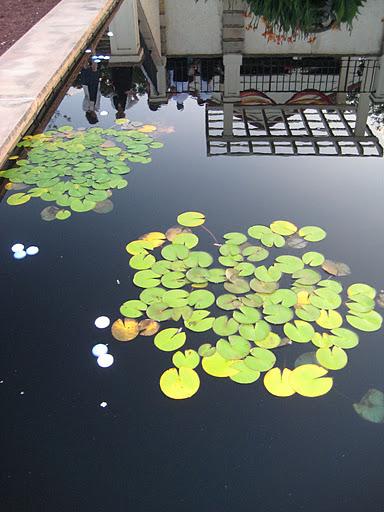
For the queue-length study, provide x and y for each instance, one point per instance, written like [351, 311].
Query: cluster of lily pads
[76, 170]
[248, 305]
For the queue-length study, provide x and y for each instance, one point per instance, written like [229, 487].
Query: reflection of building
[292, 93]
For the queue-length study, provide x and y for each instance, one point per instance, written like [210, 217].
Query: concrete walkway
[32, 68]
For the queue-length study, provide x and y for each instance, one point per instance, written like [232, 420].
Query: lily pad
[224, 326]
[187, 359]
[261, 359]
[125, 329]
[175, 298]
[309, 380]
[200, 321]
[218, 366]
[170, 339]
[146, 279]
[299, 331]
[133, 308]
[289, 264]
[191, 219]
[367, 322]
[329, 319]
[18, 199]
[246, 315]
[277, 314]
[313, 259]
[179, 384]
[283, 227]
[312, 233]
[334, 358]
[371, 406]
[336, 268]
[235, 347]
[278, 382]
[201, 299]
[244, 375]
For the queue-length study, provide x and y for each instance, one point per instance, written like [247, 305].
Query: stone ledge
[33, 67]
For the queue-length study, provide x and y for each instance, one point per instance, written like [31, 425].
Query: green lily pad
[187, 359]
[175, 252]
[152, 295]
[18, 199]
[309, 380]
[235, 347]
[289, 264]
[312, 233]
[334, 358]
[257, 332]
[206, 350]
[201, 299]
[367, 322]
[283, 296]
[255, 253]
[63, 214]
[142, 261]
[228, 302]
[224, 326]
[170, 339]
[179, 383]
[199, 321]
[175, 299]
[329, 319]
[191, 219]
[217, 366]
[272, 340]
[199, 259]
[237, 286]
[188, 239]
[371, 406]
[146, 279]
[133, 308]
[313, 259]
[344, 338]
[277, 314]
[235, 238]
[82, 205]
[245, 269]
[173, 280]
[268, 275]
[246, 315]
[261, 359]
[306, 276]
[283, 227]
[308, 313]
[325, 298]
[244, 375]
[159, 311]
[360, 288]
[299, 331]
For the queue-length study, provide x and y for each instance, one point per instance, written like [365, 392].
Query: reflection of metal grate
[289, 130]
[293, 74]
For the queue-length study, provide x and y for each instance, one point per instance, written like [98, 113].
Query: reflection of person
[181, 74]
[124, 95]
[90, 81]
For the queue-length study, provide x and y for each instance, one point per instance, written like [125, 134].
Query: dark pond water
[230, 447]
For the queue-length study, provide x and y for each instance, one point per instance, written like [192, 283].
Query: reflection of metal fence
[190, 75]
[293, 74]
[289, 130]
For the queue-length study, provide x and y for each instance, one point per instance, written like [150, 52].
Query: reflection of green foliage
[288, 301]
[78, 169]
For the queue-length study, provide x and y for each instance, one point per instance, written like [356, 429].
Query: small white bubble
[102, 322]
[110, 34]
[32, 250]
[99, 349]
[118, 281]
[22, 392]
[19, 255]
[103, 404]
[103, 113]
[88, 50]
[105, 360]
[17, 248]
[106, 57]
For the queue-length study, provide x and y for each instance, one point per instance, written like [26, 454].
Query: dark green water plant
[77, 170]
[245, 305]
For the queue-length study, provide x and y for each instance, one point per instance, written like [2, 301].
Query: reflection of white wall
[193, 27]
[366, 37]
[125, 28]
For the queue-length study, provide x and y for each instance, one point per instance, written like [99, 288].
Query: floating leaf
[296, 242]
[258, 231]
[306, 276]
[323, 340]
[201, 299]
[277, 314]
[146, 279]
[49, 213]
[228, 302]
[187, 359]
[63, 214]
[289, 264]
[257, 332]
[206, 350]
[133, 308]
[279, 383]
[218, 366]
[336, 268]
[156, 238]
[361, 289]
[325, 298]
[261, 359]
[175, 298]
[199, 259]
[170, 339]
[175, 252]
[268, 275]
[308, 380]
[188, 239]
[179, 384]
[312, 233]
[172, 232]
[283, 227]
[246, 315]
[235, 347]
[191, 219]
[344, 338]
[237, 286]
[125, 329]
[152, 295]
[200, 321]
[329, 319]
[18, 199]
[367, 322]
[272, 340]
[142, 261]
[308, 312]
[224, 326]
[148, 327]
[332, 358]
[236, 238]
[255, 253]
[173, 280]
[244, 375]
[371, 406]
[299, 331]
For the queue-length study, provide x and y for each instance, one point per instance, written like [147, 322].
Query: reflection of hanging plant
[288, 20]
[77, 170]
[267, 308]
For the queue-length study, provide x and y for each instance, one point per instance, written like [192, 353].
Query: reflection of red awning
[307, 97]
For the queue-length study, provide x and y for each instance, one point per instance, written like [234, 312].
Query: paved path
[32, 68]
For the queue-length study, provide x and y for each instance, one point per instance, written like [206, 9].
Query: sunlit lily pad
[18, 199]
[201, 299]
[283, 227]
[261, 359]
[148, 327]
[187, 359]
[289, 264]
[236, 238]
[246, 315]
[188, 239]
[329, 319]
[244, 375]
[312, 233]
[133, 308]
[367, 322]
[308, 380]
[277, 314]
[200, 321]
[235, 347]
[179, 383]
[224, 326]
[299, 331]
[170, 339]
[361, 289]
[255, 253]
[146, 279]
[218, 366]
[278, 382]
[125, 329]
[334, 358]
[191, 219]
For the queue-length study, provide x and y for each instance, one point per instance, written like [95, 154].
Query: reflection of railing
[292, 74]
[190, 75]
[289, 130]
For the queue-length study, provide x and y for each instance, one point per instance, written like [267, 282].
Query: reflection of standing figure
[181, 74]
[90, 81]
[124, 96]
